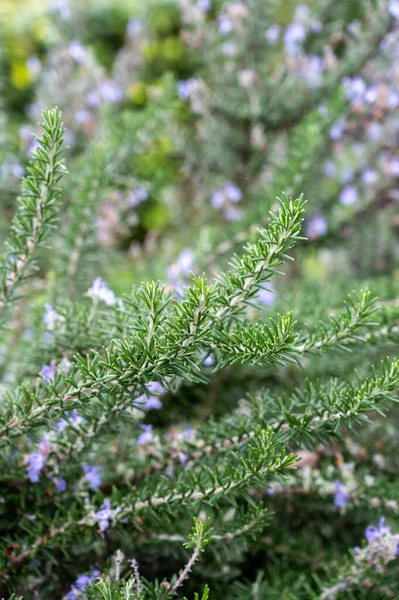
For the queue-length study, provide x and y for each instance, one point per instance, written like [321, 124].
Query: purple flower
[394, 166]
[302, 13]
[348, 196]
[225, 24]
[217, 198]
[209, 361]
[337, 129]
[313, 71]
[355, 88]
[34, 65]
[92, 474]
[36, 462]
[294, 36]
[99, 290]
[133, 27]
[233, 192]
[330, 169]
[189, 432]
[62, 7]
[394, 8]
[48, 372]
[341, 497]
[146, 436]
[83, 116]
[77, 51]
[104, 515]
[60, 484]
[81, 584]
[204, 5]
[372, 532]
[137, 196]
[232, 213]
[185, 261]
[267, 297]
[369, 176]
[229, 48]
[374, 132]
[317, 227]
[186, 88]
[93, 99]
[75, 419]
[273, 34]
[50, 317]
[111, 92]
[153, 403]
[183, 458]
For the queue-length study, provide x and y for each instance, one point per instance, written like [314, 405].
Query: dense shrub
[177, 419]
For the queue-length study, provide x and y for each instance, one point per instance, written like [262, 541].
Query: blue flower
[341, 497]
[372, 532]
[36, 462]
[92, 474]
[348, 196]
[294, 36]
[100, 291]
[273, 34]
[104, 515]
[225, 24]
[146, 436]
[60, 484]
[48, 372]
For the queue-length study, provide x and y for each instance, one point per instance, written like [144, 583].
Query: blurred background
[197, 113]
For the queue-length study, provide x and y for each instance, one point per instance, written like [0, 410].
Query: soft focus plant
[176, 419]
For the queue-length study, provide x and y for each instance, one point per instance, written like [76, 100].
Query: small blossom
[354, 88]
[229, 48]
[50, 317]
[273, 34]
[369, 176]
[77, 51]
[111, 92]
[267, 297]
[372, 532]
[92, 474]
[99, 290]
[316, 227]
[232, 213]
[83, 116]
[34, 65]
[337, 129]
[146, 436]
[294, 36]
[93, 99]
[60, 484]
[394, 8]
[204, 5]
[341, 497]
[233, 192]
[36, 462]
[330, 169]
[348, 196]
[48, 372]
[185, 261]
[134, 27]
[186, 88]
[137, 196]
[209, 361]
[374, 132]
[104, 515]
[225, 24]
